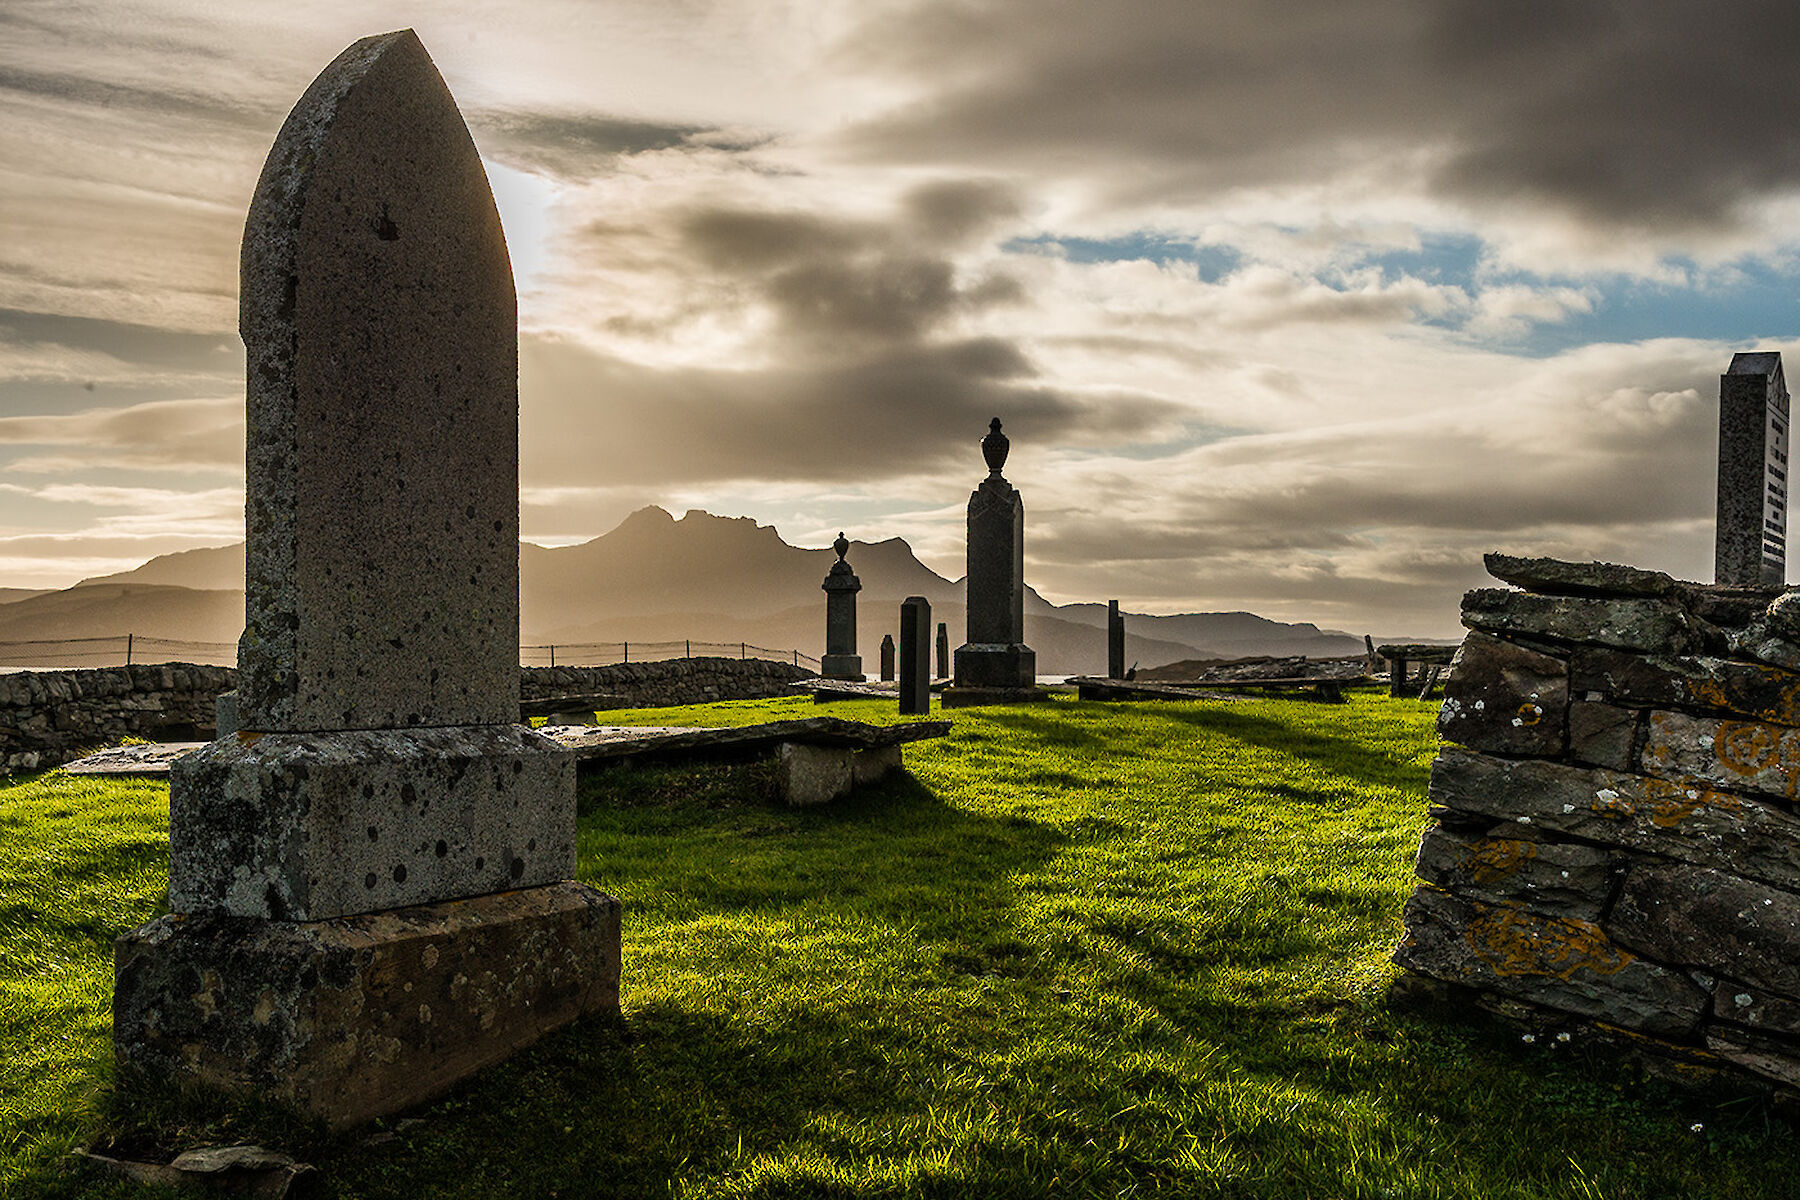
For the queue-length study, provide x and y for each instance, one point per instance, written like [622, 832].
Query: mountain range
[658, 579]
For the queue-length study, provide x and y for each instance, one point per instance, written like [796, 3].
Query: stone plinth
[1750, 538]
[301, 827]
[915, 655]
[354, 1018]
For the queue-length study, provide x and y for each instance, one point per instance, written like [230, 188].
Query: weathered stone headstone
[1750, 539]
[915, 655]
[995, 665]
[887, 658]
[841, 661]
[1115, 641]
[943, 651]
[371, 881]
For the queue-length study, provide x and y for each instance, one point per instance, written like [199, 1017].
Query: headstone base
[995, 665]
[841, 666]
[305, 826]
[350, 1019]
[972, 697]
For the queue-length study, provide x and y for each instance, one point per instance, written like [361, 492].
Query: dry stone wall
[1615, 844]
[669, 682]
[48, 718]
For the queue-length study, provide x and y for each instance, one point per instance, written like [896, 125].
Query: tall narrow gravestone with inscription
[995, 666]
[371, 881]
[1750, 539]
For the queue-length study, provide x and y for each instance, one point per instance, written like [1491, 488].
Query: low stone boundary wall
[1615, 850]
[48, 718]
[669, 682]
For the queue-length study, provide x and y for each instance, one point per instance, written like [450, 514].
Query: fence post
[743, 650]
[627, 646]
[553, 656]
[128, 649]
[690, 647]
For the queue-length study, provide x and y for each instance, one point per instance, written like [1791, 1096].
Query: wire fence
[127, 648]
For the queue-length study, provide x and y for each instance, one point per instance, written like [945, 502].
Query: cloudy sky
[1294, 306]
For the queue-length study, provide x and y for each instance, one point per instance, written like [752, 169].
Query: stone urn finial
[994, 447]
[842, 545]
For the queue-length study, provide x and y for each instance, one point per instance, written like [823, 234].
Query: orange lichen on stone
[1513, 942]
[1747, 747]
[1530, 714]
[1673, 803]
[1494, 859]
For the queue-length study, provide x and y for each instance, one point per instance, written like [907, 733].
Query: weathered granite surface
[381, 329]
[305, 826]
[354, 1018]
[1615, 834]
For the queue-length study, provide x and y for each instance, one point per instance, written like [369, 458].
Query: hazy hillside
[12, 595]
[658, 579]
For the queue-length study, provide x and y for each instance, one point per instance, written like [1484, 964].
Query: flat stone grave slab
[819, 758]
[150, 760]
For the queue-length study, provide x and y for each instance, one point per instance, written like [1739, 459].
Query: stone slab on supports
[357, 1017]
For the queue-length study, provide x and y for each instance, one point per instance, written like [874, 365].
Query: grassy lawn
[1077, 950]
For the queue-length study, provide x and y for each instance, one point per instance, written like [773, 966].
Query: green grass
[1077, 950]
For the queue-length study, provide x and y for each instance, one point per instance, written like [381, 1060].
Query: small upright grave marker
[378, 818]
[915, 655]
[1115, 641]
[887, 658]
[1750, 539]
[943, 651]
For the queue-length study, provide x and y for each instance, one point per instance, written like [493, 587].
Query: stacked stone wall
[1615, 843]
[670, 682]
[48, 718]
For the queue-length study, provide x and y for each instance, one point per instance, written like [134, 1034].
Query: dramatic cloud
[1295, 307]
[1630, 116]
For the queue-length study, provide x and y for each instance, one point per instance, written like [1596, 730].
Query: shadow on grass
[1345, 754]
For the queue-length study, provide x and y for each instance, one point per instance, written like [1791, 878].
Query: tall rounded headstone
[378, 815]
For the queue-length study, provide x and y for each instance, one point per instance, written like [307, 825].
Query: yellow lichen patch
[1709, 692]
[1513, 942]
[1673, 803]
[1494, 859]
[1747, 747]
[1529, 714]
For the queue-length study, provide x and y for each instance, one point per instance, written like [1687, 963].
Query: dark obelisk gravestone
[841, 660]
[915, 655]
[1750, 538]
[995, 666]
[887, 658]
[371, 881]
[943, 651]
[1115, 641]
